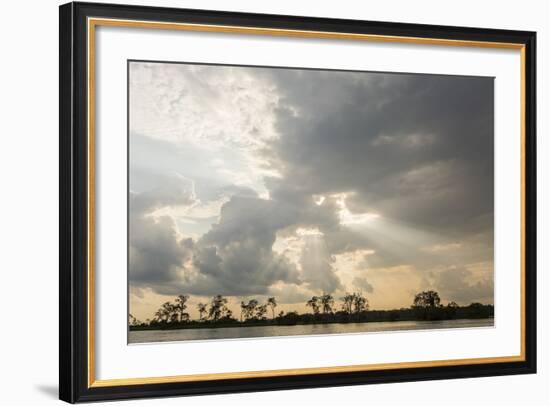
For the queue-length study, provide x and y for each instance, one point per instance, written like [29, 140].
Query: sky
[255, 182]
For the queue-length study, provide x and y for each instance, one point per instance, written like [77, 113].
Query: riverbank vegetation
[353, 308]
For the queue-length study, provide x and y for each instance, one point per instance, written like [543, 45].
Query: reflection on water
[308, 329]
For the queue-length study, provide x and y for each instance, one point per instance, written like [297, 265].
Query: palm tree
[271, 302]
[202, 310]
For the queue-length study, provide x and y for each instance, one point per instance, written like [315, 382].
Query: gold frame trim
[94, 22]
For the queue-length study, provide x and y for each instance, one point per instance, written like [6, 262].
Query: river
[151, 336]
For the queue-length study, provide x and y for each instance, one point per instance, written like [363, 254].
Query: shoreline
[268, 323]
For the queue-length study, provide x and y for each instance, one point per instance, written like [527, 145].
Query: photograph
[270, 201]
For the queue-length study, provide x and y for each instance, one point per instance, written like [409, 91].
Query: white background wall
[29, 188]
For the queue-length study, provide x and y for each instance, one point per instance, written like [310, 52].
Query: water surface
[149, 336]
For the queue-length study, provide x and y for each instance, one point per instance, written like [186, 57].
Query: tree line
[354, 307]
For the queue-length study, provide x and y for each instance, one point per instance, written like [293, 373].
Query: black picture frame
[74, 385]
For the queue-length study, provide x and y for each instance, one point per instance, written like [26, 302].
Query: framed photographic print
[257, 202]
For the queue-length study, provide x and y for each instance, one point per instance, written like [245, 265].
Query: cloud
[457, 284]
[236, 254]
[201, 105]
[316, 263]
[398, 165]
[156, 253]
[416, 148]
[234, 258]
[362, 283]
[290, 293]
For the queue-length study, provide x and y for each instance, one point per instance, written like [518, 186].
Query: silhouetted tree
[133, 321]
[314, 304]
[290, 318]
[429, 299]
[180, 307]
[261, 311]
[202, 310]
[218, 308]
[249, 309]
[167, 311]
[360, 303]
[426, 306]
[347, 304]
[451, 309]
[272, 303]
[243, 309]
[327, 301]
[158, 316]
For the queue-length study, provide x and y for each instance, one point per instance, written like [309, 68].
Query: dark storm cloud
[417, 148]
[235, 257]
[155, 253]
